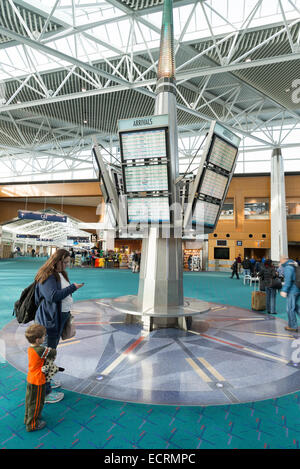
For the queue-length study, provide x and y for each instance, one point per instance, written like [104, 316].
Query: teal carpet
[84, 422]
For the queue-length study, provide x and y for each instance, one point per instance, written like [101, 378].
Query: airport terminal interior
[157, 141]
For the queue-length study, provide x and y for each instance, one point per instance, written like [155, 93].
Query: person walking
[134, 262]
[234, 268]
[239, 263]
[36, 380]
[53, 294]
[139, 255]
[72, 258]
[291, 292]
[266, 274]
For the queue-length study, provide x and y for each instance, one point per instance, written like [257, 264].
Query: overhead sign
[143, 122]
[78, 239]
[26, 236]
[26, 214]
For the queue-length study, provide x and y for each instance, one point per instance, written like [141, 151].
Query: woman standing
[53, 293]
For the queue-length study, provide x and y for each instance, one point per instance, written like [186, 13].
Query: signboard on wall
[94, 238]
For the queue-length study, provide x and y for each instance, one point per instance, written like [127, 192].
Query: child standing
[35, 392]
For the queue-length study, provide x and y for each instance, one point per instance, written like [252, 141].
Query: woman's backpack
[25, 307]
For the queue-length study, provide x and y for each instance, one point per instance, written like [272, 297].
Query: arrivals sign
[27, 215]
[161, 120]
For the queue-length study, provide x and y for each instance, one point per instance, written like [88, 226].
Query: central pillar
[161, 272]
[279, 243]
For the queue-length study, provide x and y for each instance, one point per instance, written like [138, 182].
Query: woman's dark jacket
[50, 295]
[267, 273]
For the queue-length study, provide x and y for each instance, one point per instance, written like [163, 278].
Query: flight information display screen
[143, 144]
[148, 209]
[146, 178]
[222, 154]
[213, 184]
[205, 213]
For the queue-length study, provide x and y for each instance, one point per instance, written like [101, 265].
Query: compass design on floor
[229, 355]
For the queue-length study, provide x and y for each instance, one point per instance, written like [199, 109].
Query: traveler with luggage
[267, 274]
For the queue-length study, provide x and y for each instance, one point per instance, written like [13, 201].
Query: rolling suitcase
[258, 299]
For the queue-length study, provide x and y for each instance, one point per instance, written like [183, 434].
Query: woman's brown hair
[49, 268]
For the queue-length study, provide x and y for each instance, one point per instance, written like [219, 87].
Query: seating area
[248, 279]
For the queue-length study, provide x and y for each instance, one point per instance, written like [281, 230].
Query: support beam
[279, 243]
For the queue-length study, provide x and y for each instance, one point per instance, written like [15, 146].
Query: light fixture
[83, 89]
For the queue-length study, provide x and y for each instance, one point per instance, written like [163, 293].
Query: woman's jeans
[293, 309]
[270, 300]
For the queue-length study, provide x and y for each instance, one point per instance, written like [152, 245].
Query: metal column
[279, 243]
[161, 275]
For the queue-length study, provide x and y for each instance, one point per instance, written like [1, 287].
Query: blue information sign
[25, 214]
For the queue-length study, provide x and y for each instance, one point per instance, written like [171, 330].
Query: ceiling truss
[53, 100]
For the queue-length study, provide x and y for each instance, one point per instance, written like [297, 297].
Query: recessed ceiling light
[83, 89]
[85, 121]
[248, 59]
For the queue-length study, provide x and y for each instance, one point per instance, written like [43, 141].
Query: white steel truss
[55, 75]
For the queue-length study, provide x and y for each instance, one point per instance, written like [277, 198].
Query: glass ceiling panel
[225, 16]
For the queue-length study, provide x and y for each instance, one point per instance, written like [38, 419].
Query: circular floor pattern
[229, 355]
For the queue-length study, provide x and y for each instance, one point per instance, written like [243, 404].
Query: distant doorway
[257, 253]
[294, 251]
